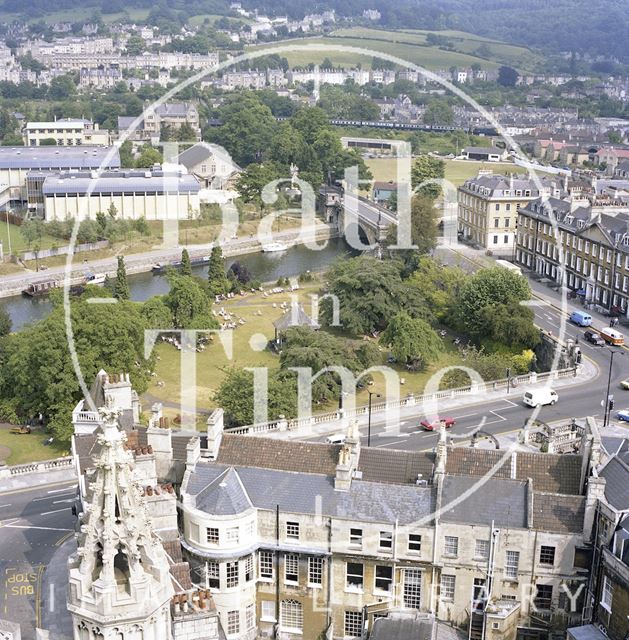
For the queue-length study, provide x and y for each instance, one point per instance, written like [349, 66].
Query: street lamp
[508, 379]
[607, 402]
[371, 393]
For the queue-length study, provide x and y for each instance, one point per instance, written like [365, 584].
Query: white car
[337, 438]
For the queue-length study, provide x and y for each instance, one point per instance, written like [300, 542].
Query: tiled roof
[549, 472]
[395, 467]
[284, 455]
[558, 514]
[224, 496]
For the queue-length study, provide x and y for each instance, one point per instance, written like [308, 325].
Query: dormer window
[580, 224]
[569, 219]
[625, 240]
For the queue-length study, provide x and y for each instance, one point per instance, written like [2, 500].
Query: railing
[43, 465]
[410, 400]
[85, 416]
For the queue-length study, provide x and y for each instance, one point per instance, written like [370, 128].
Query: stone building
[588, 251]
[313, 540]
[488, 206]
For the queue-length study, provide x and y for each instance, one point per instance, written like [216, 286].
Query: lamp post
[508, 380]
[371, 393]
[607, 401]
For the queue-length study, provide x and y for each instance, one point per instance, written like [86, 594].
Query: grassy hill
[413, 46]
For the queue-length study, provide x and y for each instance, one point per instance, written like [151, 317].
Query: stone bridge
[351, 214]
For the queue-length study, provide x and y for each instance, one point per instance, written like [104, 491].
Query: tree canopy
[413, 341]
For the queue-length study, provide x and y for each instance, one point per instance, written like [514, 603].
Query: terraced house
[488, 206]
[588, 251]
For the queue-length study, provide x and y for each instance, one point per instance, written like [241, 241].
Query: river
[266, 267]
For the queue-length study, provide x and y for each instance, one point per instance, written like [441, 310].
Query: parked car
[337, 438]
[623, 415]
[431, 424]
[581, 318]
[594, 338]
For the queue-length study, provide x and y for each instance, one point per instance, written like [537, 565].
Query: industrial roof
[117, 181]
[61, 158]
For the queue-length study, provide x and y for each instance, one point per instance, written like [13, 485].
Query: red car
[433, 424]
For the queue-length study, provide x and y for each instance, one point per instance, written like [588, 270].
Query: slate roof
[499, 500]
[558, 514]
[549, 472]
[284, 455]
[313, 493]
[616, 474]
[59, 158]
[197, 153]
[395, 467]
[224, 496]
[402, 628]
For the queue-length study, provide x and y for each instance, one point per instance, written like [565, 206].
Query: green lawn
[213, 363]
[18, 244]
[457, 171]
[28, 447]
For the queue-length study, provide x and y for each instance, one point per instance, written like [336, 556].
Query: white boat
[274, 247]
[95, 278]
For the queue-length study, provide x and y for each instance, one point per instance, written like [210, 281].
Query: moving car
[623, 415]
[431, 424]
[540, 397]
[624, 384]
[594, 338]
[581, 318]
[337, 438]
[612, 336]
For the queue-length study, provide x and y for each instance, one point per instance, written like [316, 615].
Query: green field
[410, 46]
[18, 243]
[19, 449]
[457, 171]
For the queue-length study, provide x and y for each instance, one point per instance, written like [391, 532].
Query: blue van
[581, 318]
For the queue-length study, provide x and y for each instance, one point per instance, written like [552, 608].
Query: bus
[505, 264]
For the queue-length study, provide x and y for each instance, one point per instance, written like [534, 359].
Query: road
[35, 522]
[509, 414]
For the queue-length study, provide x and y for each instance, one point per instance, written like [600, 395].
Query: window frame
[546, 553]
[266, 560]
[512, 569]
[449, 543]
[358, 578]
[315, 568]
[417, 542]
[387, 538]
[384, 580]
[292, 530]
[447, 587]
[291, 560]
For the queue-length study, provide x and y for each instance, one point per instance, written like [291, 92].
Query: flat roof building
[153, 194]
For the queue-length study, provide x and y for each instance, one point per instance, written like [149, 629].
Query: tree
[507, 76]
[36, 370]
[188, 302]
[62, 88]
[157, 314]
[253, 179]
[217, 280]
[149, 156]
[135, 46]
[412, 341]
[126, 155]
[186, 267]
[423, 234]
[121, 286]
[247, 129]
[370, 292]
[239, 272]
[304, 347]
[5, 322]
[439, 285]
[488, 288]
[236, 396]
[439, 112]
[614, 137]
[112, 212]
[428, 169]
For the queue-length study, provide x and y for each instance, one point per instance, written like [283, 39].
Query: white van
[540, 397]
[337, 438]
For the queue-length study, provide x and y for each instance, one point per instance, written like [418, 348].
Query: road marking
[30, 526]
[2, 506]
[47, 513]
[63, 538]
[38, 487]
[56, 491]
[51, 598]
[388, 444]
[52, 497]
[8, 522]
[60, 501]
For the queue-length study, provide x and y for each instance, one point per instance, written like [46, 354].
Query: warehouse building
[155, 194]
